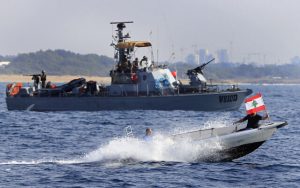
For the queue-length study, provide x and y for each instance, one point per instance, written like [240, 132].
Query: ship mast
[121, 38]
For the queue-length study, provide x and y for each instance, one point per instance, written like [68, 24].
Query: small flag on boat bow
[255, 104]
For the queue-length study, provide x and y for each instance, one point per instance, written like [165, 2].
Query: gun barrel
[207, 63]
[31, 75]
[200, 68]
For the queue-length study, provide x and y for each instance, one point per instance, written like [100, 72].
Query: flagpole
[269, 119]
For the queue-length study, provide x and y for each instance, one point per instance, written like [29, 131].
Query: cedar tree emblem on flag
[255, 104]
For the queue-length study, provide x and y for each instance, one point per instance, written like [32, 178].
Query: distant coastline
[52, 78]
[261, 81]
[106, 80]
[62, 62]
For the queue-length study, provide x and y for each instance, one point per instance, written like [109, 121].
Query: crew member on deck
[43, 79]
[253, 120]
[135, 65]
[144, 59]
[36, 81]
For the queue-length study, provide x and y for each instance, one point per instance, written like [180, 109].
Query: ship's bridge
[138, 55]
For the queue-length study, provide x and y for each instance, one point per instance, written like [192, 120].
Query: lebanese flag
[255, 104]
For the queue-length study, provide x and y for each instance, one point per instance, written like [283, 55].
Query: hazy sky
[262, 30]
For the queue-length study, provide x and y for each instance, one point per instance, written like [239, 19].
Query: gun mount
[196, 75]
[200, 68]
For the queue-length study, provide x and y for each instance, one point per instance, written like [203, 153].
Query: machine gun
[35, 77]
[32, 75]
[196, 75]
[200, 68]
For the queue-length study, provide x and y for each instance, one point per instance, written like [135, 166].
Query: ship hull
[194, 102]
[233, 144]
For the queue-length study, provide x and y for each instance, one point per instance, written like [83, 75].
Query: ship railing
[123, 91]
[207, 132]
[227, 87]
[104, 93]
[145, 90]
[213, 88]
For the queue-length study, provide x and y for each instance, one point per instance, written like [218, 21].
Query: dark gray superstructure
[135, 85]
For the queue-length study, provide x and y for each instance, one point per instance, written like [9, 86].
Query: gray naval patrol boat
[135, 85]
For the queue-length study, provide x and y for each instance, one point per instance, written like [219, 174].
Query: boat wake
[131, 149]
[161, 148]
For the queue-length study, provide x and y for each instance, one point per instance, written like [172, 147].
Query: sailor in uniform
[43, 79]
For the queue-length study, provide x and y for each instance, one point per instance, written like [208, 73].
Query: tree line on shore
[57, 62]
[62, 62]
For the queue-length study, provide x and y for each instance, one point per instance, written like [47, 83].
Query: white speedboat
[234, 141]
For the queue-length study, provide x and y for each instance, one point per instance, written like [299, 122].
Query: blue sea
[91, 149]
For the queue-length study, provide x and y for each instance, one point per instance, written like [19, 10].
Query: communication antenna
[157, 56]
[120, 54]
[121, 22]
[121, 26]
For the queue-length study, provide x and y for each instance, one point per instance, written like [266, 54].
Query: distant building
[295, 60]
[222, 56]
[203, 55]
[209, 57]
[197, 59]
[191, 59]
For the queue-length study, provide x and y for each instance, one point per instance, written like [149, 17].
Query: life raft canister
[134, 77]
[174, 74]
[52, 86]
[13, 89]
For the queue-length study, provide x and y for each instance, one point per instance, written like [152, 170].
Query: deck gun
[32, 75]
[200, 68]
[196, 75]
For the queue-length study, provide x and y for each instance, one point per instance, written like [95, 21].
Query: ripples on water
[89, 149]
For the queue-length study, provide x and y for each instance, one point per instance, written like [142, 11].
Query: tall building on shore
[295, 60]
[222, 56]
[203, 56]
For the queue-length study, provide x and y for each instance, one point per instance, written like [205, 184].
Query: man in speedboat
[148, 135]
[253, 120]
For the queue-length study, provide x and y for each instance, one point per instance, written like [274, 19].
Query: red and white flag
[255, 104]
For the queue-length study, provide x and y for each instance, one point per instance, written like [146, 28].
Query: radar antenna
[121, 26]
[120, 37]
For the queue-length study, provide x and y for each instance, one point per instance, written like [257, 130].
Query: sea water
[91, 149]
